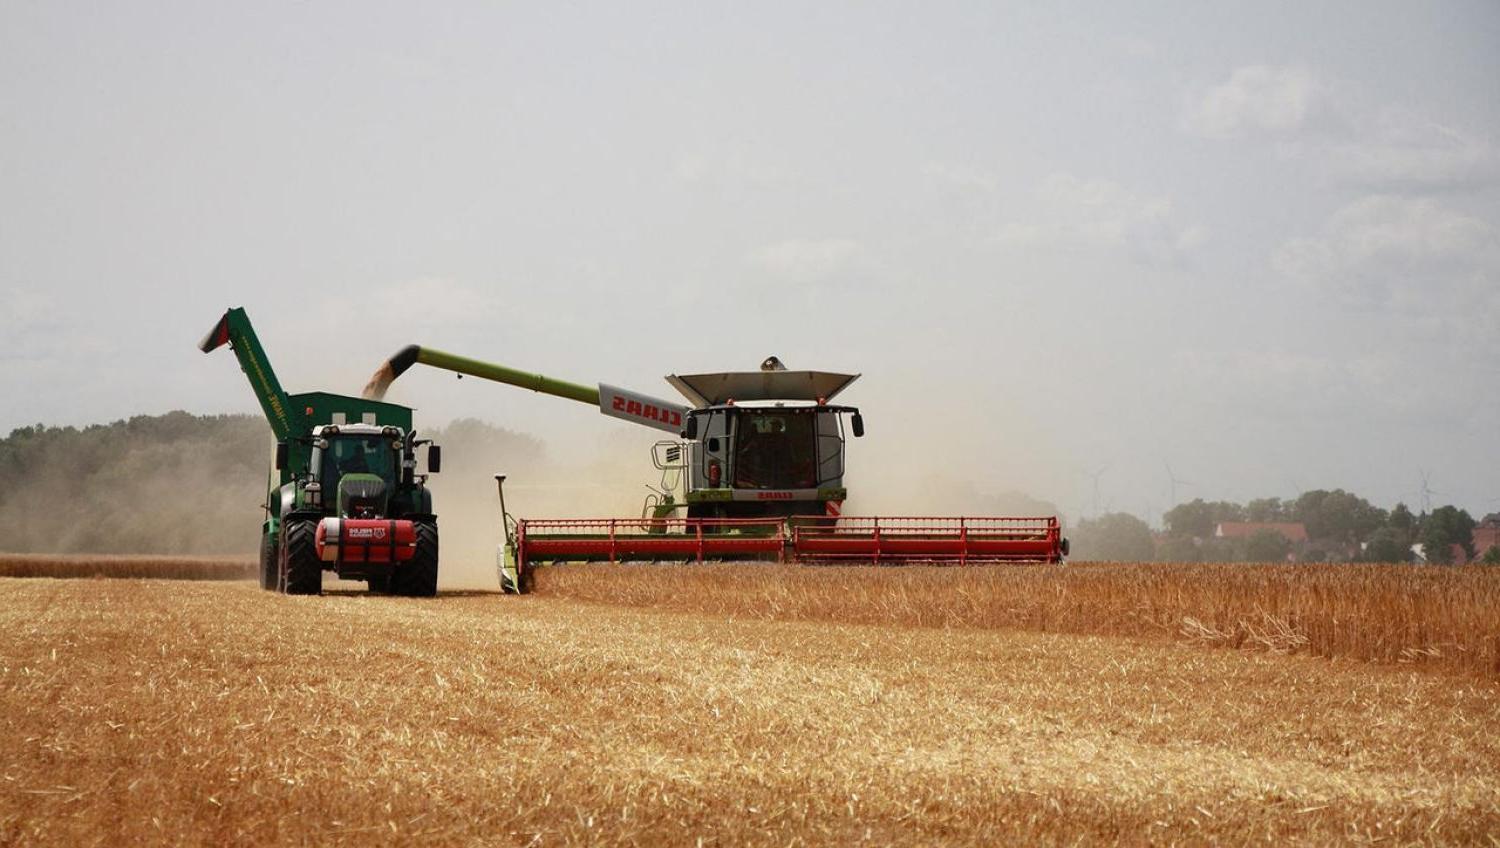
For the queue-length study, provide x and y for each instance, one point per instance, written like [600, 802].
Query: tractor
[343, 492]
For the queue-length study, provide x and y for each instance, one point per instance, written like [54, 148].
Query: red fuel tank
[366, 540]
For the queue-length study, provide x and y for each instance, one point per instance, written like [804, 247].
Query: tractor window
[358, 455]
[775, 450]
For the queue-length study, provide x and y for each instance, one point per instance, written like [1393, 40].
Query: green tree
[1267, 509]
[1267, 546]
[1402, 520]
[1197, 517]
[1491, 556]
[1445, 527]
[1179, 549]
[1337, 515]
[1388, 544]
[1115, 537]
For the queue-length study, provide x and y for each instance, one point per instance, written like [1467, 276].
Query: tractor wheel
[301, 570]
[269, 562]
[417, 577]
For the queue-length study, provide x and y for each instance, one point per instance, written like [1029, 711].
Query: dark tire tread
[417, 577]
[301, 568]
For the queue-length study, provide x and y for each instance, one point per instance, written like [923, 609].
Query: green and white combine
[754, 471]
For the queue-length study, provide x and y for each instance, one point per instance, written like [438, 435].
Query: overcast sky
[1259, 242]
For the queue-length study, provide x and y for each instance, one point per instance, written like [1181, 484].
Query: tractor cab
[355, 469]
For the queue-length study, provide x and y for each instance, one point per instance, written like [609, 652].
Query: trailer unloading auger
[759, 459]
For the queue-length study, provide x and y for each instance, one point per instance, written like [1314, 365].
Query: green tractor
[343, 493]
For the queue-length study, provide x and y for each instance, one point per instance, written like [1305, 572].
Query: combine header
[757, 465]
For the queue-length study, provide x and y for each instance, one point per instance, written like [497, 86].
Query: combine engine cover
[359, 540]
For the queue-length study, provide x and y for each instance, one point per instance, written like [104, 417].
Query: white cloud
[1411, 256]
[1100, 214]
[807, 260]
[1400, 150]
[1332, 126]
[1256, 98]
[960, 177]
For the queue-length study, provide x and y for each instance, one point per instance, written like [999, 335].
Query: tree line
[1340, 527]
[167, 484]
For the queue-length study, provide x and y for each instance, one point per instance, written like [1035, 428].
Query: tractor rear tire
[269, 556]
[301, 569]
[417, 577]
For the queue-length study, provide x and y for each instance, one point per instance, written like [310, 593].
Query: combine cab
[343, 494]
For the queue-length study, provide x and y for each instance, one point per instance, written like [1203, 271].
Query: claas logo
[648, 411]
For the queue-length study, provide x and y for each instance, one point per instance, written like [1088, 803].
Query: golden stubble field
[211, 712]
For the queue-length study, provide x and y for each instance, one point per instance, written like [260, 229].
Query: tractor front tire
[417, 577]
[269, 562]
[301, 570]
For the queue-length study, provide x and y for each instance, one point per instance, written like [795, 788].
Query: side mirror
[857, 423]
[713, 444]
[283, 455]
[691, 431]
[434, 459]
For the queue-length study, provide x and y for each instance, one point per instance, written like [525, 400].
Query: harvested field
[152, 711]
[108, 565]
[1441, 618]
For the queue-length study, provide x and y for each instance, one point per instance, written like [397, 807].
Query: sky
[1068, 246]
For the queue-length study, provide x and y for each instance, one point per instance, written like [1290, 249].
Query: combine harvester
[756, 463]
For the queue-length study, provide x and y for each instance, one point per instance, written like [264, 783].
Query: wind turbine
[1096, 475]
[1172, 478]
[1427, 492]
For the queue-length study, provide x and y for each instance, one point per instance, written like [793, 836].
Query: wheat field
[213, 713]
[113, 565]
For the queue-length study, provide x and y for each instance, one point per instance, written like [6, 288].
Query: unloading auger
[758, 461]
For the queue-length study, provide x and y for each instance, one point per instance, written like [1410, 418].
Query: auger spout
[611, 400]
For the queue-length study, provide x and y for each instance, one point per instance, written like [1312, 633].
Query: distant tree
[1179, 549]
[1445, 527]
[1337, 515]
[1491, 556]
[1114, 536]
[1215, 549]
[1402, 520]
[1387, 544]
[1197, 517]
[1267, 546]
[1267, 510]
